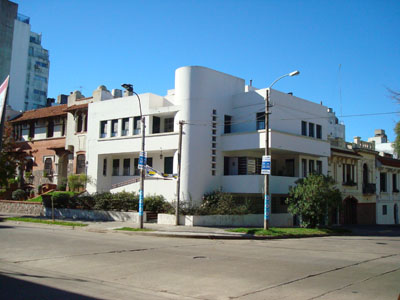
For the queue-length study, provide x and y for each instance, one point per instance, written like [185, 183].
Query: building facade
[28, 63]
[223, 139]
[40, 134]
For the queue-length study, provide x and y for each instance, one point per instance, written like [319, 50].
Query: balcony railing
[369, 188]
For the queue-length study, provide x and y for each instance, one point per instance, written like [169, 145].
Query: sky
[347, 51]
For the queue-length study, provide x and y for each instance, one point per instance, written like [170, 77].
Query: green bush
[77, 181]
[122, 201]
[18, 195]
[62, 185]
[157, 203]
[60, 199]
[220, 203]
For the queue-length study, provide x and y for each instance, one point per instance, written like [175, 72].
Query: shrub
[18, 195]
[157, 203]
[40, 189]
[77, 181]
[62, 185]
[122, 201]
[60, 199]
[31, 194]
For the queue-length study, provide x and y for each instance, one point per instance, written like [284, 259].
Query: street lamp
[142, 157]
[267, 150]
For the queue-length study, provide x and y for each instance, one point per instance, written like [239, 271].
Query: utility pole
[266, 179]
[178, 182]
[267, 200]
[142, 175]
[142, 155]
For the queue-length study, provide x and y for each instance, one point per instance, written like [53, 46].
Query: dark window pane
[168, 165]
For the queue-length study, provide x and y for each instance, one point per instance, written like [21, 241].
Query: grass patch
[133, 229]
[34, 220]
[36, 199]
[288, 231]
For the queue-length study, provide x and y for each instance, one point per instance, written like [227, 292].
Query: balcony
[248, 184]
[369, 188]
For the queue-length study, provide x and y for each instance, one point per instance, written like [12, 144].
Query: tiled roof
[75, 107]
[46, 112]
[392, 162]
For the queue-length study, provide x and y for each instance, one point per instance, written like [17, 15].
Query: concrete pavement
[56, 262]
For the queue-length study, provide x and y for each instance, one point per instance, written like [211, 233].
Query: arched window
[80, 164]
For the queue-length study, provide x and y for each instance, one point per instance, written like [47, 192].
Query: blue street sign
[142, 160]
[266, 165]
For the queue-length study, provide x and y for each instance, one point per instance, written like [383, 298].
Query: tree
[396, 145]
[9, 158]
[313, 198]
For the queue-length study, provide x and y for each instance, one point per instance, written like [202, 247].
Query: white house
[223, 140]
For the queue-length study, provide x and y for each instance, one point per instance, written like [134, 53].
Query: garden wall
[21, 207]
[94, 215]
[252, 220]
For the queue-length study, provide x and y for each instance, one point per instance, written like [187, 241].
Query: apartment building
[23, 57]
[223, 140]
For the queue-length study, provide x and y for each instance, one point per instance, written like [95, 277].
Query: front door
[350, 211]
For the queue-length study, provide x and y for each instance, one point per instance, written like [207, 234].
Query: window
[289, 166]
[278, 205]
[63, 127]
[319, 167]
[115, 171]
[227, 124]
[319, 132]
[168, 124]
[260, 117]
[311, 129]
[383, 182]
[156, 125]
[79, 123]
[394, 183]
[31, 130]
[85, 117]
[303, 128]
[114, 128]
[50, 128]
[168, 165]
[48, 165]
[136, 125]
[136, 164]
[105, 167]
[149, 161]
[103, 129]
[214, 138]
[80, 164]
[29, 165]
[40, 78]
[348, 174]
[304, 167]
[384, 210]
[311, 166]
[127, 167]
[38, 92]
[125, 127]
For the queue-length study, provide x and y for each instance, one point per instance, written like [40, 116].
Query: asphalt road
[51, 262]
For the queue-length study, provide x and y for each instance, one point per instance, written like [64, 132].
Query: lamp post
[267, 149]
[129, 88]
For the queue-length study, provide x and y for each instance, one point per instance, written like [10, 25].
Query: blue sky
[143, 42]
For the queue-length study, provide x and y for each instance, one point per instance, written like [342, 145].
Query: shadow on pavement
[373, 230]
[12, 288]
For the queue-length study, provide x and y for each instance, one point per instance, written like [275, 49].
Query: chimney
[251, 82]
[117, 93]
